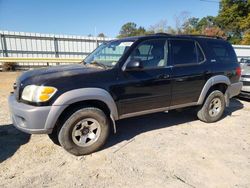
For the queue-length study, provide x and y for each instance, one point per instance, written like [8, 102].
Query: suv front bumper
[27, 118]
[245, 91]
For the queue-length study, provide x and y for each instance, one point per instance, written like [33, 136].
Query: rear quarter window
[222, 52]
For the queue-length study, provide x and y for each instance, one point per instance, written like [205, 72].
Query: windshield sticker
[125, 43]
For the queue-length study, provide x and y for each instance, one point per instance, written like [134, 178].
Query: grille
[245, 76]
[246, 83]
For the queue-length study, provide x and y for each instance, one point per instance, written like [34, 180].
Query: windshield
[108, 54]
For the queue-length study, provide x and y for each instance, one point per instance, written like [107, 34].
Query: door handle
[163, 76]
[180, 79]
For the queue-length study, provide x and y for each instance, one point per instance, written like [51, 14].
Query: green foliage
[130, 29]
[190, 26]
[246, 39]
[206, 22]
[232, 18]
[101, 35]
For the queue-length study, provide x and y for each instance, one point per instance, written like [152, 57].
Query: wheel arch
[220, 82]
[96, 97]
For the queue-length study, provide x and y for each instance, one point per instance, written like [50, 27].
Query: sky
[84, 17]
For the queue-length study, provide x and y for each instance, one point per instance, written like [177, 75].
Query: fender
[77, 95]
[219, 79]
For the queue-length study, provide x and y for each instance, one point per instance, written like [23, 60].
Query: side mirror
[134, 65]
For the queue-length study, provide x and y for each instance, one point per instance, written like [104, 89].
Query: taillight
[238, 71]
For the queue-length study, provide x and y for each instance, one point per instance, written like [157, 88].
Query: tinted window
[185, 52]
[152, 53]
[222, 51]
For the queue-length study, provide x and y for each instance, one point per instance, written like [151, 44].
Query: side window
[151, 53]
[222, 51]
[184, 52]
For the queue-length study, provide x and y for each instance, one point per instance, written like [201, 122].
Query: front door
[149, 88]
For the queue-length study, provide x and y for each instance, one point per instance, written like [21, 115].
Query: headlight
[35, 93]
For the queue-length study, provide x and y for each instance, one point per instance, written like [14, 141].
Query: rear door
[190, 71]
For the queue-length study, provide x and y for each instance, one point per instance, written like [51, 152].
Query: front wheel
[85, 131]
[213, 108]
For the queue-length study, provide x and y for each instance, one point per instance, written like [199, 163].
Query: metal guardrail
[40, 60]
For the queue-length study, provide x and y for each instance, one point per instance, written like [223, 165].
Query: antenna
[95, 31]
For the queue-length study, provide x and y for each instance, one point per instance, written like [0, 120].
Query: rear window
[185, 52]
[222, 52]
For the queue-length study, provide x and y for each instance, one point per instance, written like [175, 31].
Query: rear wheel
[213, 108]
[85, 131]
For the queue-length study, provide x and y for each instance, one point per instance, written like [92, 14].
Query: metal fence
[20, 44]
[242, 51]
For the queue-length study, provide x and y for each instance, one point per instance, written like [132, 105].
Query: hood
[40, 75]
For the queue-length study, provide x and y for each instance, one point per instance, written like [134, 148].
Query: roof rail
[187, 35]
[207, 36]
[167, 34]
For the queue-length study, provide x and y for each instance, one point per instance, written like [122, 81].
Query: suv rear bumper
[234, 89]
[27, 118]
[245, 94]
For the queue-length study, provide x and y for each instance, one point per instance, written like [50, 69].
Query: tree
[206, 22]
[214, 31]
[180, 20]
[159, 27]
[245, 23]
[190, 26]
[246, 39]
[102, 35]
[140, 31]
[245, 26]
[128, 29]
[231, 14]
[171, 30]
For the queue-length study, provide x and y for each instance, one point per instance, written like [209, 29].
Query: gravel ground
[159, 150]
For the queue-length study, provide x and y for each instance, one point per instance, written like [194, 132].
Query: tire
[213, 107]
[84, 131]
[54, 136]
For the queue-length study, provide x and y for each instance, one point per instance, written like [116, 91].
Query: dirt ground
[160, 150]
